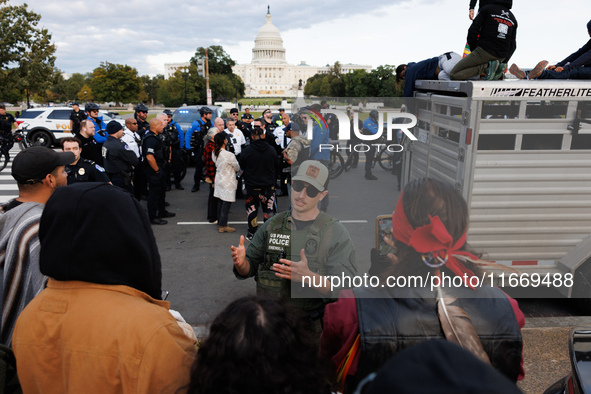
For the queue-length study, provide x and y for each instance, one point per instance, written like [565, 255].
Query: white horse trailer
[520, 154]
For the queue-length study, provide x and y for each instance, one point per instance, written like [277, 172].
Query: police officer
[175, 135]
[76, 116]
[152, 152]
[195, 143]
[370, 127]
[81, 170]
[6, 121]
[119, 158]
[297, 243]
[141, 114]
[245, 125]
[92, 111]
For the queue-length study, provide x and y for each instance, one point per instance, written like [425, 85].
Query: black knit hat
[114, 127]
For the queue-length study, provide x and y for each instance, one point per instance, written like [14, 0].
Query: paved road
[197, 268]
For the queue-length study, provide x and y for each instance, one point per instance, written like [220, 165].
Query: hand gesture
[552, 67]
[293, 270]
[239, 257]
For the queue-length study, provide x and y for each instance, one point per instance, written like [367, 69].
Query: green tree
[171, 92]
[26, 52]
[149, 91]
[115, 82]
[218, 60]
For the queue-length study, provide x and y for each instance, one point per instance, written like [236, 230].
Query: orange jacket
[81, 337]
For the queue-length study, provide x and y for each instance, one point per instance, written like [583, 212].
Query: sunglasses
[298, 186]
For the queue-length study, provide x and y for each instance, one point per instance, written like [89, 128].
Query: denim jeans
[223, 211]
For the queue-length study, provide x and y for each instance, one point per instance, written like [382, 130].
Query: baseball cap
[313, 172]
[114, 127]
[33, 164]
[75, 103]
[234, 111]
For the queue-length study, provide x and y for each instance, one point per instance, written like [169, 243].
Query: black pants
[175, 166]
[198, 167]
[156, 194]
[212, 206]
[255, 196]
[369, 155]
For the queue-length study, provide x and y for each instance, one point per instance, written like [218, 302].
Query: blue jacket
[98, 127]
[320, 136]
[371, 125]
[180, 130]
[195, 127]
[422, 70]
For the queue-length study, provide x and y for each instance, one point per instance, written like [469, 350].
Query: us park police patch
[278, 242]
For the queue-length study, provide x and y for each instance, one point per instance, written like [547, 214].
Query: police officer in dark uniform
[153, 154]
[166, 150]
[76, 116]
[118, 157]
[81, 170]
[175, 136]
[6, 121]
[195, 135]
[141, 114]
[245, 125]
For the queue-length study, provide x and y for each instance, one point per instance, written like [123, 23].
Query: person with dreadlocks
[367, 326]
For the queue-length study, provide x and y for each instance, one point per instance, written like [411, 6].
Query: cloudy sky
[146, 34]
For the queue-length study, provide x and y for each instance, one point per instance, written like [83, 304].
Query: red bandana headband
[432, 238]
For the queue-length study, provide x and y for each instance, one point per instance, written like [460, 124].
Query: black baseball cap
[234, 111]
[75, 103]
[33, 164]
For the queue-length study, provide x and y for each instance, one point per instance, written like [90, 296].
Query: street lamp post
[186, 77]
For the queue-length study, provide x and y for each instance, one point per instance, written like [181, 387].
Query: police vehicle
[47, 125]
[184, 116]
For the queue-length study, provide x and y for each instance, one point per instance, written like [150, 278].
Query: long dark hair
[218, 140]
[257, 345]
[426, 197]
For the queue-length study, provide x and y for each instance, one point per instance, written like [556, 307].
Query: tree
[149, 90]
[26, 52]
[219, 61]
[85, 94]
[115, 82]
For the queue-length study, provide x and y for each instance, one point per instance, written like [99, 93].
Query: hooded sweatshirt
[19, 262]
[77, 216]
[259, 163]
[495, 30]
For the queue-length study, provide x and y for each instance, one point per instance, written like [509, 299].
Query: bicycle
[6, 144]
[336, 163]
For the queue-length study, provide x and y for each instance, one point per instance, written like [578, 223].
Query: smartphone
[384, 229]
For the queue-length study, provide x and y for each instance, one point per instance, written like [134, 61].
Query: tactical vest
[403, 317]
[173, 134]
[279, 238]
[158, 154]
[197, 137]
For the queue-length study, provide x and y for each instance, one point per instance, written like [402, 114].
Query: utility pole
[208, 90]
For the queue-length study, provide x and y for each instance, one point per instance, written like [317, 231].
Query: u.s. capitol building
[269, 75]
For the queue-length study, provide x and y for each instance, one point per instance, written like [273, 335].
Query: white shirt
[131, 139]
[279, 132]
[237, 139]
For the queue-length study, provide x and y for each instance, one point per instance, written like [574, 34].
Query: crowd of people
[91, 316]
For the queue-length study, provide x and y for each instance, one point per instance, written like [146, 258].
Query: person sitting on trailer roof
[576, 66]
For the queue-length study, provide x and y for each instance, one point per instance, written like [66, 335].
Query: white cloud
[143, 33]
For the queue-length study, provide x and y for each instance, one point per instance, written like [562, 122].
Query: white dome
[268, 44]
